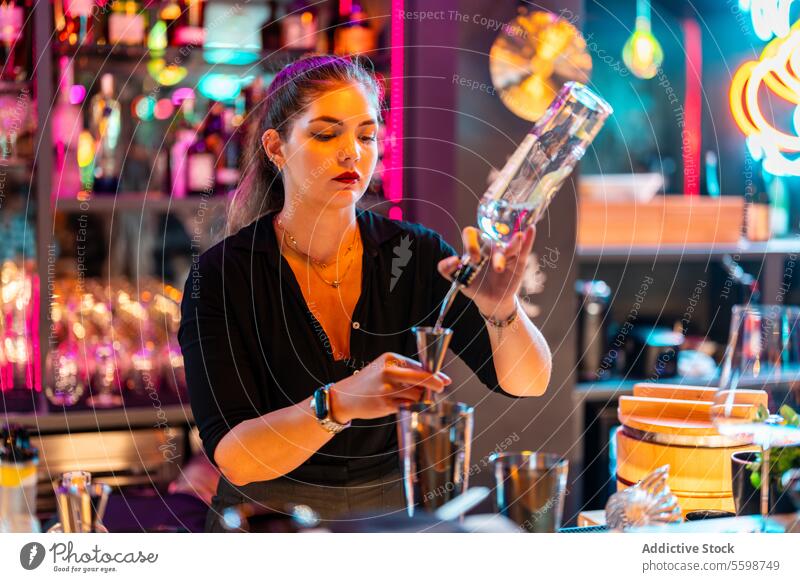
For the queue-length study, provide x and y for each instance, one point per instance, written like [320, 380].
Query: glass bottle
[200, 166]
[13, 46]
[67, 126]
[299, 27]
[105, 124]
[354, 35]
[77, 26]
[19, 461]
[127, 23]
[533, 174]
[170, 13]
[228, 165]
[190, 30]
[66, 378]
[184, 136]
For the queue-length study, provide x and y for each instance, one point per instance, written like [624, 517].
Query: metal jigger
[432, 343]
[435, 437]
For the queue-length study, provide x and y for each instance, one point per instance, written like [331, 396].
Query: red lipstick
[348, 177]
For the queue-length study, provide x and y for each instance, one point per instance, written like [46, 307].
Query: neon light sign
[777, 71]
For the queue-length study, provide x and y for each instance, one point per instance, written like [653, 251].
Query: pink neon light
[394, 147]
[692, 107]
[346, 7]
[34, 330]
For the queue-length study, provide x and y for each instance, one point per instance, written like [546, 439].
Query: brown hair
[291, 91]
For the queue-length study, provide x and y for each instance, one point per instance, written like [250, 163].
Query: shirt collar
[259, 236]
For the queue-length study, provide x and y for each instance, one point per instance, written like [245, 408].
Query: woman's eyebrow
[339, 121]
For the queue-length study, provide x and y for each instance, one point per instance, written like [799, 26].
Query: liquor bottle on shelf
[67, 126]
[228, 163]
[16, 313]
[353, 36]
[200, 166]
[189, 31]
[757, 208]
[105, 126]
[184, 136]
[66, 370]
[214, 128]
[780, 206]
[170, 13]
[299, 27]
[127, 23]
[271, 29]
[74, 22]
[19, 462]
[12, 37]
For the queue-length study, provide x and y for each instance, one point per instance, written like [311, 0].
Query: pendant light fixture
[642, 53]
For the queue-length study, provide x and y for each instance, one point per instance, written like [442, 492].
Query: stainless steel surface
[530, 489]
[435, 442]
[458, 506]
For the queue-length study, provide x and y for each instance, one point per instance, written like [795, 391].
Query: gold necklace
[308, 258]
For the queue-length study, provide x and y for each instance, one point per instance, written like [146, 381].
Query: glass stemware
[759, 389]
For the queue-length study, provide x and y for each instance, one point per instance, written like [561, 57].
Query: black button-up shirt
[251, 344]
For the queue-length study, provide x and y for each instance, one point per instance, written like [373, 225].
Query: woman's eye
[324, 136]
[369, 138]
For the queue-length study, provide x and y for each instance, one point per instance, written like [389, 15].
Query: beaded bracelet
[498, 323]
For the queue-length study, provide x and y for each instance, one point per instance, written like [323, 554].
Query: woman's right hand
[379, 388]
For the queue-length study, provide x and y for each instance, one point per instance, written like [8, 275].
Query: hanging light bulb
[642, 53]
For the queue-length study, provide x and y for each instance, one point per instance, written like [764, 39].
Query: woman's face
[335, 135]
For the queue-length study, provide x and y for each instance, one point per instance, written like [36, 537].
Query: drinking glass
[530, 489]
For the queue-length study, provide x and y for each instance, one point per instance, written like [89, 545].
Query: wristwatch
[321, 406]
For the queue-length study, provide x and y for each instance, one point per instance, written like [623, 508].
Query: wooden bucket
[669, 424]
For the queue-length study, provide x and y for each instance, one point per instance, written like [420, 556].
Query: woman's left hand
[496, 285]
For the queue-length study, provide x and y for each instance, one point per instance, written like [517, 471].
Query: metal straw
[101, 491]
[87, 517]
[66, 511]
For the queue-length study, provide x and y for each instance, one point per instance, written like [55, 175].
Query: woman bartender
[295, 329]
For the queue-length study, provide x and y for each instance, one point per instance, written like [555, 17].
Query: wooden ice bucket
[670, 424]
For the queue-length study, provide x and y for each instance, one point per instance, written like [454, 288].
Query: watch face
[321, 403]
